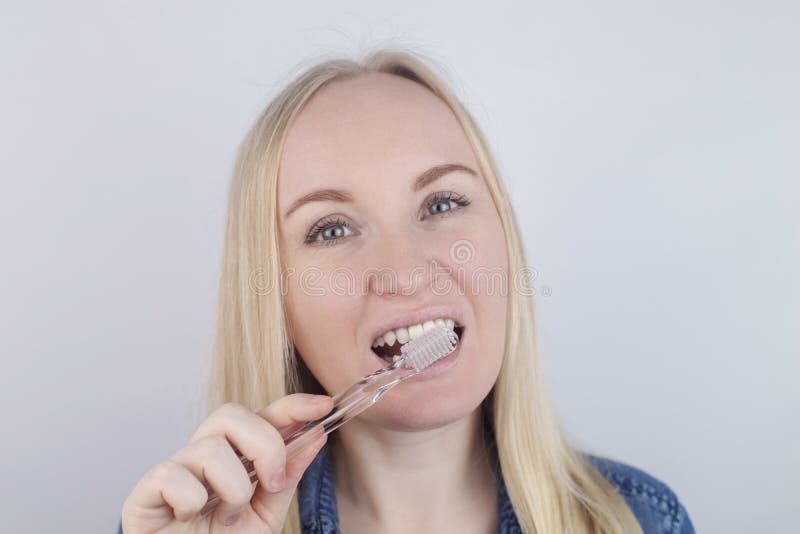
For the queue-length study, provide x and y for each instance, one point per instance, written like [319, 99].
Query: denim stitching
[665, 502]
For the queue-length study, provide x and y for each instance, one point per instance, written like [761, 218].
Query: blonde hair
[552, 486]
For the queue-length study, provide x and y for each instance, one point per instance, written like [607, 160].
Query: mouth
[388, 346]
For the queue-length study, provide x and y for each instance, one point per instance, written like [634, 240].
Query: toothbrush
[416, 355]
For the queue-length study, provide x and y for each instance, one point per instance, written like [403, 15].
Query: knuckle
[162, 472]
[196, 498]
[271, 433]
[232, 409]
[213, 445]
[187, 511]
[241, 494]
[274, 445]
[236, 493]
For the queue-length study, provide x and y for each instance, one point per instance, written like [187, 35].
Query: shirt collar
[316, 498]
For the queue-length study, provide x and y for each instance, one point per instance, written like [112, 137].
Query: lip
[418, 316]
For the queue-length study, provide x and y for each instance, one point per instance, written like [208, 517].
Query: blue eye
[446, 201]
[331, 230]
[327, 232]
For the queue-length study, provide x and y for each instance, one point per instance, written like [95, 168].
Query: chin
[423, 406]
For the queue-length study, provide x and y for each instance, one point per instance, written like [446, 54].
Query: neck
[438, 480]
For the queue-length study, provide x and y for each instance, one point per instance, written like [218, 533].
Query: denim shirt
[653, 503]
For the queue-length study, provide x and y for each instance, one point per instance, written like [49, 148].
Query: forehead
[374, 126]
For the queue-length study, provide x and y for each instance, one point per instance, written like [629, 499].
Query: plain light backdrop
[653, 154]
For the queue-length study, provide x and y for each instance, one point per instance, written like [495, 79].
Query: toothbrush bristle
[430, 347]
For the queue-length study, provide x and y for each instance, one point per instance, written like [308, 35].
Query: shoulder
[655, 505]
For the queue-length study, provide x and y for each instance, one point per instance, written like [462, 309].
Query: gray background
[652, 152]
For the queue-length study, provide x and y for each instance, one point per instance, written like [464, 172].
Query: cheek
[324, 324]
[488, 286]
[484, 260]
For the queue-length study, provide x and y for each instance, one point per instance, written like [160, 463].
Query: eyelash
[440, 196]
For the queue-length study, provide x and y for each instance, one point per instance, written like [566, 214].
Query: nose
[399, 265]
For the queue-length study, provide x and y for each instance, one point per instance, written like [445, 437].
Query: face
[388, 245]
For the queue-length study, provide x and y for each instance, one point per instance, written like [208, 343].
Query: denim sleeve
[686, 525]
[658, 513]
[656, 507]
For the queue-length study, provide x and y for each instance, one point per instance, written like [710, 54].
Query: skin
[170, 496]
[414, 462]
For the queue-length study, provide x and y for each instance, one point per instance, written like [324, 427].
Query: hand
[169, 496]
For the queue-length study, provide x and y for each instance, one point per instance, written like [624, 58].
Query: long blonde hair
[552, 486]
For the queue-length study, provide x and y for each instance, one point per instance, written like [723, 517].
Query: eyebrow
[339, 195]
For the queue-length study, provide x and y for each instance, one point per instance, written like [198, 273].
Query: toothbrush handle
[346, 405]
[349, 403]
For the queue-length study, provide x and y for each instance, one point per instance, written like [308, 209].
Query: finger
[290, 413]
[296, 408]
[256, 436]
[272, 507]
[253, 438]
[168, 483]
[213, 460]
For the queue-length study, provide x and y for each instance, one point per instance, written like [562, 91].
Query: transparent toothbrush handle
[349, 403]
[346, 405]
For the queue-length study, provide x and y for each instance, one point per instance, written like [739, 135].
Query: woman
[365, 201]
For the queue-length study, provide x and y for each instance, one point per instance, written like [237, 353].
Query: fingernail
[231, 520]
[277, 480]
[321, 399]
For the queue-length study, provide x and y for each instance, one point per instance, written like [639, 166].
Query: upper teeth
[407, 333]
